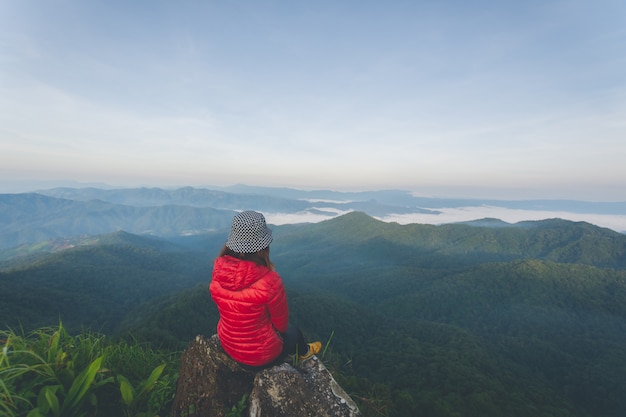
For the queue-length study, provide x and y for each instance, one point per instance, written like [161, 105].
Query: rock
[306, 390]
[210, 383]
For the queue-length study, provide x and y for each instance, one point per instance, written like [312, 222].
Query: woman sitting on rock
[254, 318]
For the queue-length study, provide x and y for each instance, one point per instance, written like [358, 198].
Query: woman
[254, 318]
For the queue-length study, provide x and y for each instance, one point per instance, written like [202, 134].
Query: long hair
[261, 257]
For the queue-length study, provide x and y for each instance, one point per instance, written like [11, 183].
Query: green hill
[357, 239]
[515, 320]
[95, 284]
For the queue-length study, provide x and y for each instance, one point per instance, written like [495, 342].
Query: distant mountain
[29, 186]
[356, 239]
[186, 196]
[275, 199]
[31, 218]
[403, 198]
[285, 201]
[68, 212]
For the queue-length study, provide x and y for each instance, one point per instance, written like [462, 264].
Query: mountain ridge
[393, 198]
[31, 218]
[554, 239]
[68, 212]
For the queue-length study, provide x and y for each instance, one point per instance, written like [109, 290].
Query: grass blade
[81, 385]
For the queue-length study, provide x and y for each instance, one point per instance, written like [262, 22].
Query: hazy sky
[509, 98]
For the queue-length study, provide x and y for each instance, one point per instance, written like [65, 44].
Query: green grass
[51, 373]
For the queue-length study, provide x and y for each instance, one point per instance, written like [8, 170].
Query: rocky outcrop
[210, 384]
[209, 381]
[306, 390]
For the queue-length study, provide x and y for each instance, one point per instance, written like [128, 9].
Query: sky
[485, 99]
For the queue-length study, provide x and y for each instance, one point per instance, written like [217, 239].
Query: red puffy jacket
[253, 310]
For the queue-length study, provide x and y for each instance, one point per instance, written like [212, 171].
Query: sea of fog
[459, 214]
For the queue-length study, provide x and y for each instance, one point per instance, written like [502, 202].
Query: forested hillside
[97, 283]
[520, 320]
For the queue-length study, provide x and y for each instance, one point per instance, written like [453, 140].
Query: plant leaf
[54, 345]
[126, 390]
[147, 385]
[81, 385]
[35, 413]
[52, 400]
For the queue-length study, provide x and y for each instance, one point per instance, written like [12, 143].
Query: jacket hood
[235, 274]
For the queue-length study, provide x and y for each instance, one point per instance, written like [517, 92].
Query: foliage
[51, 373]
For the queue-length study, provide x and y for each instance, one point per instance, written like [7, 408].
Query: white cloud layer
[462, 214]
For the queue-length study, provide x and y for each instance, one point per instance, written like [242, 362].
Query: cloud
[462, 214]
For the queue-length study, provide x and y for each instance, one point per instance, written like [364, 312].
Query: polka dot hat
[249, 233]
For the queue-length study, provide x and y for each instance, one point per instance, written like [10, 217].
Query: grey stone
[210, 383]
[306, 390]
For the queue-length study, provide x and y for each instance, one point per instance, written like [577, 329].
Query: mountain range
[460, 319]
[59, 212]
[277, 199]
[479, 318]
